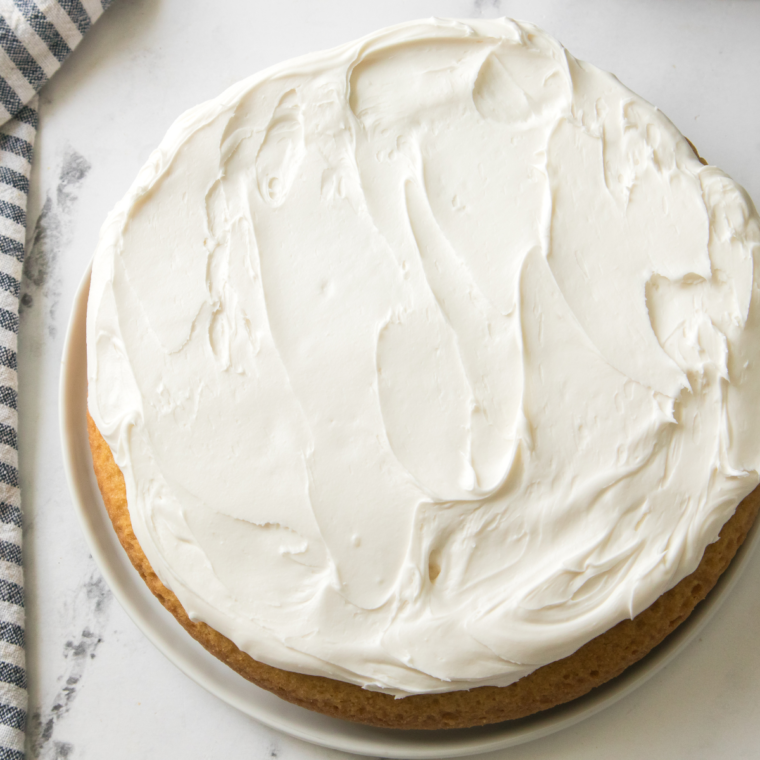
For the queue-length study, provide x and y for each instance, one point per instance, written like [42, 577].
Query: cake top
[427, 359]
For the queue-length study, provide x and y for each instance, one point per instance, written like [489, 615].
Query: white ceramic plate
[161, 628]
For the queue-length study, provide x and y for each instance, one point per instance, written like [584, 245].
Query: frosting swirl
[427, 359]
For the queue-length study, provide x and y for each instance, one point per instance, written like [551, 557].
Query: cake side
[593, 664]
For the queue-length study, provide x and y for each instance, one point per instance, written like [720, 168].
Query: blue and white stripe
[35, 38]
[16, 143]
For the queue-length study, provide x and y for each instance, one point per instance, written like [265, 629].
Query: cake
[422, 375]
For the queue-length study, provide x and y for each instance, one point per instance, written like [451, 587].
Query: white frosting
[427, 359]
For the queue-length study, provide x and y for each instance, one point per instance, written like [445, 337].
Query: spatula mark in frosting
[624, 242]
[282, 150]
[466, 388]
[525, 80]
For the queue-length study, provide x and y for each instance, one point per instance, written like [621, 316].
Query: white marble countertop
[98, 688]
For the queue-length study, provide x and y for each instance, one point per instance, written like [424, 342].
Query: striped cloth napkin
[35, 38]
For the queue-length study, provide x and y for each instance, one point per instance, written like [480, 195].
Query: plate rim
[215, 677]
